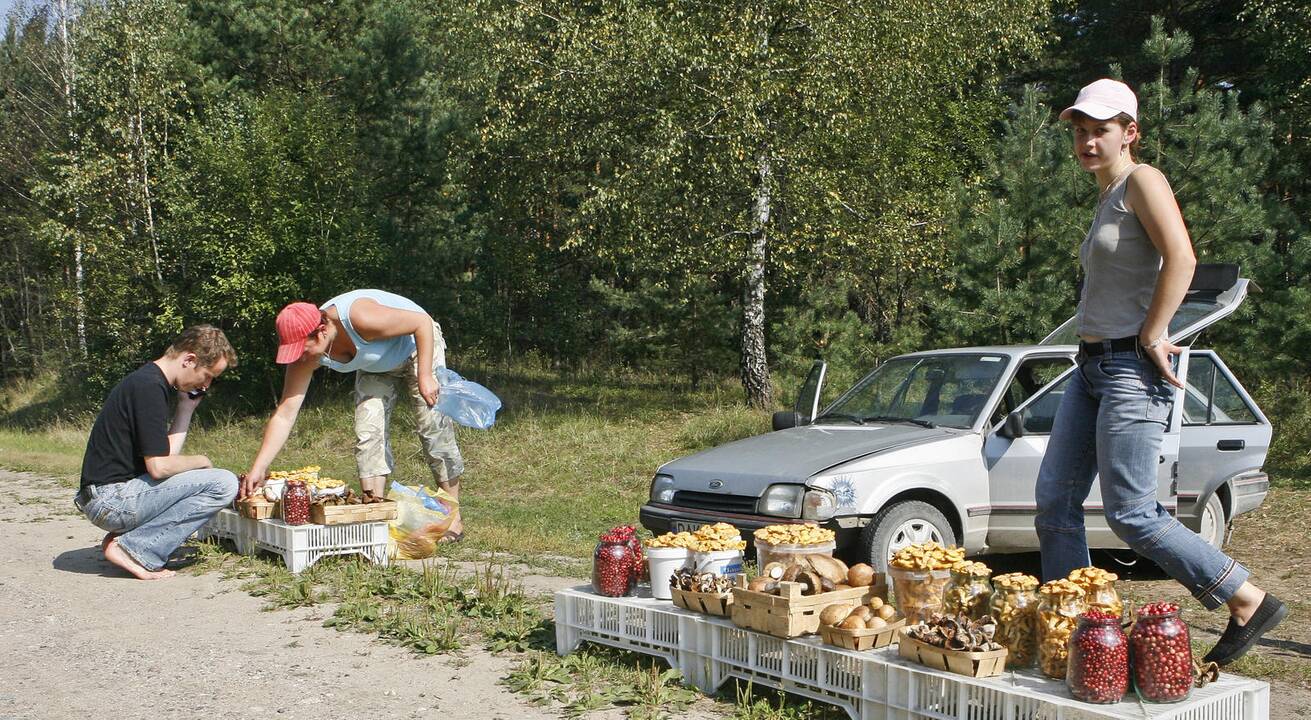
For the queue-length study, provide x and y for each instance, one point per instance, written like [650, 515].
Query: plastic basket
[870, 685]
[303, 545]
[642, 624]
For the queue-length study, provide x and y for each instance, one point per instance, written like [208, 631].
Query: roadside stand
[303, 517]
[950, 642]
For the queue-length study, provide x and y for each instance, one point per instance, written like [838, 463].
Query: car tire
[1212, 524]
[901, 524]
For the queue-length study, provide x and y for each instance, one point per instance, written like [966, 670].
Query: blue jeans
[155, 517]
[1110, 425]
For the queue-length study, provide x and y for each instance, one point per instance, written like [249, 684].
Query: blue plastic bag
[465, 401]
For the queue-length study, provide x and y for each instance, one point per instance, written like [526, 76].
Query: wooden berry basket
[861, 639]
[720, 604]
[789, 614]
[256, 507]
[969, 664]
[341, 514]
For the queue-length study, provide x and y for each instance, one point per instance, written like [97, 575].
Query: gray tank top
[1120, 267]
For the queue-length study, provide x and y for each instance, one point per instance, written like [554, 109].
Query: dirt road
[81, 639]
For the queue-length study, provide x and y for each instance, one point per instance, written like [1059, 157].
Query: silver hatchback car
[945, 445]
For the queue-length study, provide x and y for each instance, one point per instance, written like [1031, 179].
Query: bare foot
[119, 557]
[109, 537]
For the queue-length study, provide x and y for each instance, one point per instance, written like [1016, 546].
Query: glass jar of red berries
[616, 563]
[1160, 653]
[1098, 666]
[296, 503]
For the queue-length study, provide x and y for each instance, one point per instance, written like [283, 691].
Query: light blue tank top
[381, 355]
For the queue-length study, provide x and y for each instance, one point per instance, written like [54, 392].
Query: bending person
[393, 347]
[1138, 263]
[136, 483]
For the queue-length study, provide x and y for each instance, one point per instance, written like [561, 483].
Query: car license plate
[684, 525]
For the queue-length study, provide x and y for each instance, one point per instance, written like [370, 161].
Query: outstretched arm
[373, 321]
[294, 385]
[1152, 200]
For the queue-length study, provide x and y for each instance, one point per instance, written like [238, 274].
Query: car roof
[1007, 350]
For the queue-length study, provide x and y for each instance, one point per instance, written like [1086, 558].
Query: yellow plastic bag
[422, 517]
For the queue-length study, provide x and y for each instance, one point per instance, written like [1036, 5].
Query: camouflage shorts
[376, 394]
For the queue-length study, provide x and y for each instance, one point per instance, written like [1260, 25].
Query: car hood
[748, 466]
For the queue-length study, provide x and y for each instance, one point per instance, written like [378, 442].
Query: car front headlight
[662, 489]
[782, 500]
[818, 505]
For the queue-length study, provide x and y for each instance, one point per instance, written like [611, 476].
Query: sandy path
[78, 638]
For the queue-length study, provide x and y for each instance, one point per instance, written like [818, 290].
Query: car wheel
[901, 524]
[1212, 527]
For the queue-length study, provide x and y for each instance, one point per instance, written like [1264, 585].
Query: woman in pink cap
[1137, 262]
[393, 347]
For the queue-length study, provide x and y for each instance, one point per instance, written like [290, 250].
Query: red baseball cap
[295, 323]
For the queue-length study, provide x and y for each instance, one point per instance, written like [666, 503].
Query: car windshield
[933, 390]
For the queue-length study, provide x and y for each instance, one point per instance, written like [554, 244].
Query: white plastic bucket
[720, 562]
[662, 562]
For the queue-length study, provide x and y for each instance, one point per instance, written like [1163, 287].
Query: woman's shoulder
[1146, 183]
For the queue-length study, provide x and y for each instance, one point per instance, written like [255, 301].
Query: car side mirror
[784, 419]
[1013, 426]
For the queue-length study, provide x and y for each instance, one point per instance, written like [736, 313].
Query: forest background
[691, 189]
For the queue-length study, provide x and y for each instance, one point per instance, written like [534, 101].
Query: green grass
[570, 455]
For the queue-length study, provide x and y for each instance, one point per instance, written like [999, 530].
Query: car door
[1224, 436]
[1013, 460]
[1215, 292]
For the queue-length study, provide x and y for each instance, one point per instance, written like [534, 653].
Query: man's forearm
[164, 467]
[177, 432]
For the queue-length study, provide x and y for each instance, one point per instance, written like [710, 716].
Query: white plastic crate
[230, 525]
[881, 685]
[299, 545]
[302, 545]
[870, 685]
[642, 624]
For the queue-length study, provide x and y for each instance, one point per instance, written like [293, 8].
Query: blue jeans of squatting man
[156, 516]
[1110, 424]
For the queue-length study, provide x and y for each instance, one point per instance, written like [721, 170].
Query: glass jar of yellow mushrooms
[1014, 606]
[1060, 602]
[968, 590]
[1098, 589]
[919, 572]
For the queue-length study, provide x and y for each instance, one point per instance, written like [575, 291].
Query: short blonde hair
[207, 342]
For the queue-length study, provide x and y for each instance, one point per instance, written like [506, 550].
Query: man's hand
[1160, 355]
[428, 388]
[251, 482]
[186, 401]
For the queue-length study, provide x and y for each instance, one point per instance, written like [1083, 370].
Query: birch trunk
[754, 363]
[70, 105]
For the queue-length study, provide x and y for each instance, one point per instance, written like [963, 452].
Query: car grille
[715, 501]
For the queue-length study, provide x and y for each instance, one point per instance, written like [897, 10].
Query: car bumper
[1249, 491]
[660, 518]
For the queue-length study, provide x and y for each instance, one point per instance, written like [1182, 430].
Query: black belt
[1123, 344]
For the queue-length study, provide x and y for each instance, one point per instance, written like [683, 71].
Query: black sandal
[1238, 639]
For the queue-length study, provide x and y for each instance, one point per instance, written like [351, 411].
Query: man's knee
[225, 485]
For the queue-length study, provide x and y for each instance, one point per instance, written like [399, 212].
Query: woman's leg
[375, 394]
[1064, 481]
[1136, 407]
[437, 435]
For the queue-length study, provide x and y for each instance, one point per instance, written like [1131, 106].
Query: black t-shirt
[131, 426]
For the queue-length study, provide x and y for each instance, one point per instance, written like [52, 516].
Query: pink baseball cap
[1104, 99]
[295, 323]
